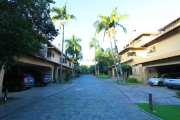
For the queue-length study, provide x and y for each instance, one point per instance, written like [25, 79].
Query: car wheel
[160, 83]
[16, 88]
[38, 84]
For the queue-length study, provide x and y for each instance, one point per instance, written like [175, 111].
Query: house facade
[49, 63]
[153, 53]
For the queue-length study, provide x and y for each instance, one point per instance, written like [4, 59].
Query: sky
[143, 16]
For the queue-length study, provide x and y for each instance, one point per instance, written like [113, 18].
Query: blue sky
[143, 16]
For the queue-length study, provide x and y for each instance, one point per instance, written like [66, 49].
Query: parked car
[173, 81]
[42, 79]
[158, 79]
[17, 82]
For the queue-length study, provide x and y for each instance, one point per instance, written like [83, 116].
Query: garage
[170, 64]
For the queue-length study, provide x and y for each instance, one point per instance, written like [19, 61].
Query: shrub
[54, 80]
[103, 76]
[132, 80]
[67, 75]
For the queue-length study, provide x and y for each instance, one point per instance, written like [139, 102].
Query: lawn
[165, 112]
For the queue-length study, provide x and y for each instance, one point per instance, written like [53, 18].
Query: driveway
[86, 98]
[140, 93]
[160, 95]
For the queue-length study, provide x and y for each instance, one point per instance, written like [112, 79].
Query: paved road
[88, 98]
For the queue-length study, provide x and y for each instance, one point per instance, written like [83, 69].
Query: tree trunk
[95, 62]
[119, 61]
[71, 72]
[61, 58]
[114, 59]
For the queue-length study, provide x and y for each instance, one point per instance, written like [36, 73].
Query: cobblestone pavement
[140, 93]
[88, 98]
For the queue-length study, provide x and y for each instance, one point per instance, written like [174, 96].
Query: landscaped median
[165, 112]
[103, 76]
[130, 81]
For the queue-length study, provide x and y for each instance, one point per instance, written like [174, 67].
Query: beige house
[49, 64]
[150, 54]
[133, 53]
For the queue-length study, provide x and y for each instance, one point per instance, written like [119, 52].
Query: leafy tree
[92, 69]
[24, 27]
[125, 68]
[108, 24]
[67, 74]
[104, 60]
[61, 14]
[85, 69]
[73, 49]
[94, 43]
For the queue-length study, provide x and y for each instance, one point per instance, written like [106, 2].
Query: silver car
[158, 79]
[173, 81]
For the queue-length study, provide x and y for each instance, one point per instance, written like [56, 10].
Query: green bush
[54, 80]
[67, 75]
[132, 80]
[103, 76]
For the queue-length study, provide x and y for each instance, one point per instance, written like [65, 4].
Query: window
[64, 60]
[69, 64]
[152, 49]
[50, 54]
[131, 54]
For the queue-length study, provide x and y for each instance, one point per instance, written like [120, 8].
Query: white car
[158, 79]
[173, 81]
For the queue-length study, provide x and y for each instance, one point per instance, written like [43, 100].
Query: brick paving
[87, 98]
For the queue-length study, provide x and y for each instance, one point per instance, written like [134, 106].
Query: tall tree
[24, 27]
[61, 14]
[73, 48]
[94, 43]
[115, 20]
[108, 24]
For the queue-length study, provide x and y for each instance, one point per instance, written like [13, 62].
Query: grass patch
[126, 83]
[103, 76]
[165, 112]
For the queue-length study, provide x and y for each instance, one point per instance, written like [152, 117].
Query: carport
[31, 64]
[166, 64]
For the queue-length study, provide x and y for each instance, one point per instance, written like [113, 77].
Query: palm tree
[115, 19]
[108, 24]
[73, 49]
[61, 15]
[94, 43]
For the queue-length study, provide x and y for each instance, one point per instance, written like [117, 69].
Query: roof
[160, 36]
[161, 57]
[142, 34]
[127, 61]
[132, 48]
[169, 24]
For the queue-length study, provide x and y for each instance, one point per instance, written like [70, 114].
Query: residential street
[86, 98]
